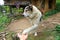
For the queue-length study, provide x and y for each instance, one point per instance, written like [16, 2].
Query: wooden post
[46, 6]
[54, 4]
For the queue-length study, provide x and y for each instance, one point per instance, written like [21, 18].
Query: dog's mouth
[25, 14]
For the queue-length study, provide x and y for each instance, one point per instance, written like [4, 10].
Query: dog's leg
[28, 30]
[35, 34]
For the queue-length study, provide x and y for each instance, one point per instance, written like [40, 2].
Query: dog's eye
[27, 10]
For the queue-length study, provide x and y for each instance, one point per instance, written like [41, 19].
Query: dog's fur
[34, 15]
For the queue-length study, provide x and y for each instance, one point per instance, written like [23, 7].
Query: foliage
[57, 37]
[58, 28]
[57, 1]
[3, 21]
[58, 7]
[17, 10]
[50, 13]
[6, 9]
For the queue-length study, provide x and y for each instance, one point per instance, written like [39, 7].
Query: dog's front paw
[35, 34]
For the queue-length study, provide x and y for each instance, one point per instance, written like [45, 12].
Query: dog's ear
[31, 7]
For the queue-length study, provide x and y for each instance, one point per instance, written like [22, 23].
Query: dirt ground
[47, 24]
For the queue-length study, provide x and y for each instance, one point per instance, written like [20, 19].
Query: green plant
[57, 37]
[3, 21]
[58, 28]
[50, 13]
[58, 7]
[15, 10]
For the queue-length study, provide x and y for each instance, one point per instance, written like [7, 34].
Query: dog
[34, 15]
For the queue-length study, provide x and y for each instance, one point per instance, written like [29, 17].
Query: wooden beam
[46, 5]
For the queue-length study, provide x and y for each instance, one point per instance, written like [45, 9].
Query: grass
[42, 36]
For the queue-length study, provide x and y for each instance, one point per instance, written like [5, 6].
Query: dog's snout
[24, 14]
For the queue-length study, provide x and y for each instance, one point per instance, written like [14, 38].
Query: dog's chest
[34, 18]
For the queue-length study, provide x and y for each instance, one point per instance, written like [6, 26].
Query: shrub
[57, 37]
[58, 28]
[3, 21]
[50, 13]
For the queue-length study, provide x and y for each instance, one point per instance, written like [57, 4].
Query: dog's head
[28, 10]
